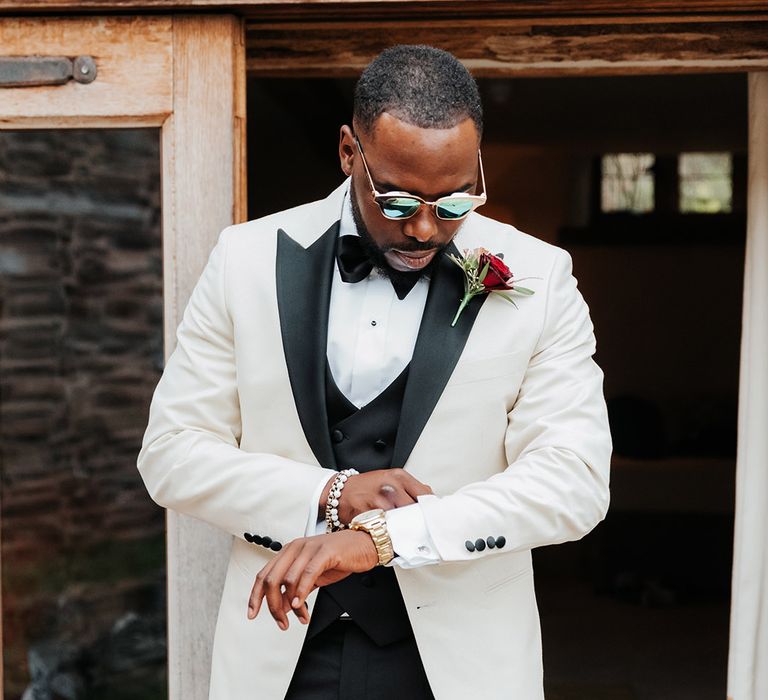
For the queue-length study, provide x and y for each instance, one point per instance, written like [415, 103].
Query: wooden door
[173, 85]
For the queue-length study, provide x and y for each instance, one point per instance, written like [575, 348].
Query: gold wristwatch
[375, 524]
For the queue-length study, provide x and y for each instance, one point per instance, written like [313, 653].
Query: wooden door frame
[590, 46]
[185, 75]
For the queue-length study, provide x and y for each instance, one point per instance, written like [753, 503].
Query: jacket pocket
[507, 580]
[488, 368]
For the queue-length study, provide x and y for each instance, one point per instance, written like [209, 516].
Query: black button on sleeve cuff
[480, 544]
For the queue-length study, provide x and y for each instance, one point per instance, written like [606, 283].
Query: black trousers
[342, 663]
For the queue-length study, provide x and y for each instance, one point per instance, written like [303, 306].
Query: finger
[292, 578]
[259, 589]
[312, 570]
[273, 594]
[264, 582]
[302, 612]
[257, 592]
[412, 486]
[277, 602]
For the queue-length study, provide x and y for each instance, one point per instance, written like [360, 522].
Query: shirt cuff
[315, 526]
[410, 538]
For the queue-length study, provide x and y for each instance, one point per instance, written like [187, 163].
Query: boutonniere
[485, 273]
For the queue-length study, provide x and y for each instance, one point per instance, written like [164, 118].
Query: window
[627, 182]
[703, 183]
[706, 182]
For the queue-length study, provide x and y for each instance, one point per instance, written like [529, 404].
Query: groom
[385, 473]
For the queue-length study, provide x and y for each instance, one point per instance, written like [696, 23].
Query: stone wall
[83, 578]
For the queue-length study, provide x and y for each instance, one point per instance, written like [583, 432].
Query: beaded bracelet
[332, 522]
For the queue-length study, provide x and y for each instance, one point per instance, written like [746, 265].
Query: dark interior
[639, 608]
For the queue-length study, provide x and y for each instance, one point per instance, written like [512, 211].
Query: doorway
[637, 610]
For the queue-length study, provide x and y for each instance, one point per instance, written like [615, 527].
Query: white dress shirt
[371, 337]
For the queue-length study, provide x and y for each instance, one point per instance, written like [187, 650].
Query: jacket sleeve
[557, 445]
[190, 457]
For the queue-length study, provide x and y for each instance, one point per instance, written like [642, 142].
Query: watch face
[368, 515]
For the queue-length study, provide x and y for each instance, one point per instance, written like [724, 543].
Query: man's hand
[383, 488]
[305, 564]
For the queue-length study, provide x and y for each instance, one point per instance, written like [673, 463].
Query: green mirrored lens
[454, 208]
[399, 207]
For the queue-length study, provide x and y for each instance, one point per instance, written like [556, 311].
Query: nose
[422, 225]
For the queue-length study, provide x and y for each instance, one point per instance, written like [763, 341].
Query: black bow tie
[354, 266]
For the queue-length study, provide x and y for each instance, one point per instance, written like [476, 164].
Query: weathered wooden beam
[513, 48]
[555, 10]
[431, 9]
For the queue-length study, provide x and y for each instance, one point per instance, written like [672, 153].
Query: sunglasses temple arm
[482, 174]
[365, 165]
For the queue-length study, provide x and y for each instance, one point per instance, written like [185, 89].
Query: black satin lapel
[438, 348]
[304, 277]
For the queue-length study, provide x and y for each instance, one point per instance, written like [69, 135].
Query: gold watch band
[375, 524]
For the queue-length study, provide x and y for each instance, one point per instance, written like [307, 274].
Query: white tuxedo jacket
[503, 417]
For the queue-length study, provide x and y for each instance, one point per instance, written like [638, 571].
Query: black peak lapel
[304, 278]
[438, 348]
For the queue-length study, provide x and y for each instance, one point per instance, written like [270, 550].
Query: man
[320, 339]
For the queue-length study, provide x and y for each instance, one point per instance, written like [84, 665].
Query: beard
[376, 254]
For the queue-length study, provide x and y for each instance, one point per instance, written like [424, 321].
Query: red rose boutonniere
[485, 273]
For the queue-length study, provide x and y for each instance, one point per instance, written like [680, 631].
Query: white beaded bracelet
[332, 522]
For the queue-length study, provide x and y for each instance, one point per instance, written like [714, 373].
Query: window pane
[83, 551]
[706, 182]
[627, 182]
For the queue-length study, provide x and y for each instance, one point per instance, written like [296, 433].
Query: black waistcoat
[364, 439]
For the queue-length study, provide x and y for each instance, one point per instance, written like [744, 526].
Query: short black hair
[421, 85]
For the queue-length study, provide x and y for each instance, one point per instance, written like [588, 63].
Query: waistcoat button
[337, 436]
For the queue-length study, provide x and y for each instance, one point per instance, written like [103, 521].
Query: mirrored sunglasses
[403, 205]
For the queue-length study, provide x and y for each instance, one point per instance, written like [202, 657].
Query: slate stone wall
[83, 578]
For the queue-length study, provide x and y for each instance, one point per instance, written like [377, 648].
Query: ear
[347, 149]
